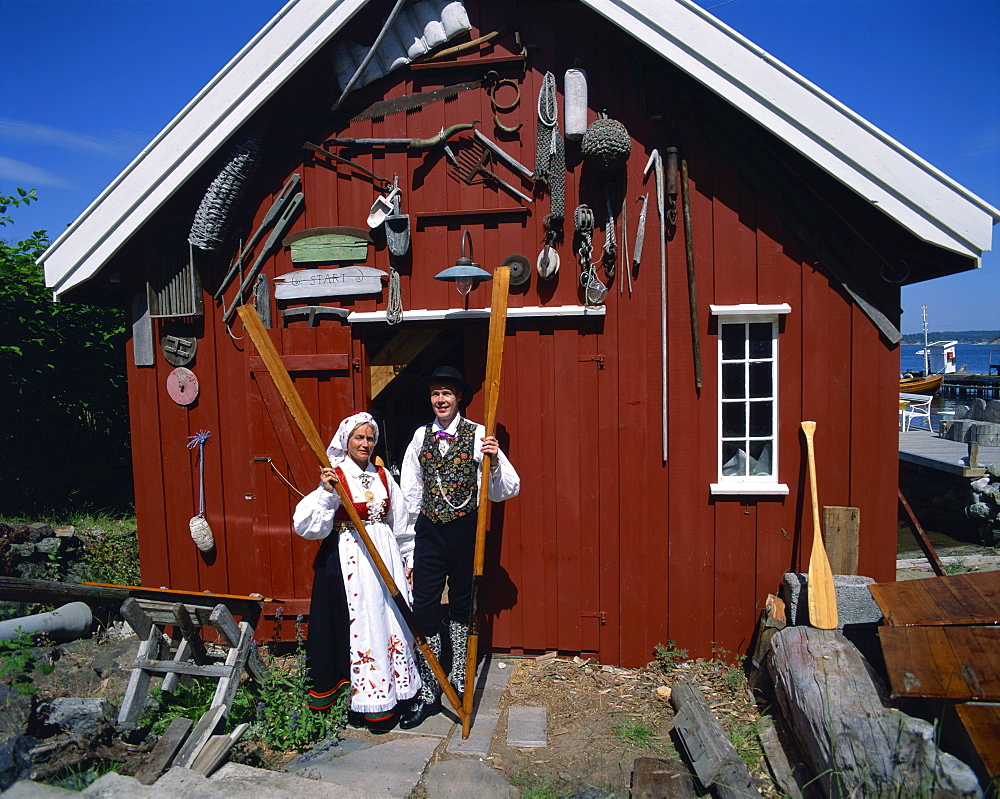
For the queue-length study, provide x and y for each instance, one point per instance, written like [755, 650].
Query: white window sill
[754, 489]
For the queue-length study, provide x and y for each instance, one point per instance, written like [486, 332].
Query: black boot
[428, 701]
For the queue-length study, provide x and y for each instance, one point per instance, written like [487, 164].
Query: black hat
[453, 377]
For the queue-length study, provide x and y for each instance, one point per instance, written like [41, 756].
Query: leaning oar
[494, 360]
[282, 381]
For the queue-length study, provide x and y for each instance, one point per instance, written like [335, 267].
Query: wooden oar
[822, 597]
[297, 409]
[494, 361]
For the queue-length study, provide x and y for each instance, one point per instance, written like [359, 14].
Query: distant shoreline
[978, 337]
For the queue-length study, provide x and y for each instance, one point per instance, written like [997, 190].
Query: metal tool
[472, 161]
[382, 184]
[411, 102]
[413, 144]
[640, 233]
[272, 239]
[272, 213]
[512, 162]
[656, 163]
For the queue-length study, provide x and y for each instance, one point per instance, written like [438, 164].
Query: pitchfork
[474, 159]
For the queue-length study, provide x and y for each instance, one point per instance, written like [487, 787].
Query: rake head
[471, 160]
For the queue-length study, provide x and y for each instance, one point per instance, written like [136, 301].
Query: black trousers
[443, 551]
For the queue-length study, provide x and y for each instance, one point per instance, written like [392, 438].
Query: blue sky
[87, 83]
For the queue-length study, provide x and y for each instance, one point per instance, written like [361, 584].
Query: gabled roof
[898, 182]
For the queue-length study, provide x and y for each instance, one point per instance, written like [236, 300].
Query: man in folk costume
[440, 482]
[356, 633]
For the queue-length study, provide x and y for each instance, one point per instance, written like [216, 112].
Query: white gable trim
[204, 125]
[898, 182]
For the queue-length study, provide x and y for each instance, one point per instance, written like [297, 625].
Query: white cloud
[985, 143]
[120, 145]
[20, 173]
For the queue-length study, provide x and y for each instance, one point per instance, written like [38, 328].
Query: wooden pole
[494, 362]
[822, 596]
[283, 382]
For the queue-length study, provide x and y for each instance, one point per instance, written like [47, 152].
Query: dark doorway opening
[398, 359]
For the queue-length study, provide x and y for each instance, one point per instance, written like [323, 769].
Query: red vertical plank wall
[608, 550]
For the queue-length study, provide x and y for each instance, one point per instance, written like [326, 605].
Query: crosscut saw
[411, 102]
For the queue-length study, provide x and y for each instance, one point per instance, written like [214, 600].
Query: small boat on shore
[921, 385]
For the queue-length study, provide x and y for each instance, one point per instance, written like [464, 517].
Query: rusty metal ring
[497, 86]
[504, 128]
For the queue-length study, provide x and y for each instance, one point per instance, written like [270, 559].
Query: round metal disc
[520, 269]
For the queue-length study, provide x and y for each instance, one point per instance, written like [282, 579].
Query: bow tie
[446, 436]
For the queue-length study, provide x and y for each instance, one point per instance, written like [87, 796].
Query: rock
[38, 530]
[977, 410]
[14, 759]
[16, 710]
[978, 510]
[992, 412]
[459, 779]
[76, 716]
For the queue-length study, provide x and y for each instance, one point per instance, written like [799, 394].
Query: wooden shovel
[297, 409]
[822, 597]
[494, 361]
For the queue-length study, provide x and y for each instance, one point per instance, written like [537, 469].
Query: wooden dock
[960, 385]
[924, 448]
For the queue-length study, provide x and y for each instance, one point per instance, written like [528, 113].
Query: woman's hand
[408, 571]
[328, 477]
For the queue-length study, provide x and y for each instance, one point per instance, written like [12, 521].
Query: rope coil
[550, 151]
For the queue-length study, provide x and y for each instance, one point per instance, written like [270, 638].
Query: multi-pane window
[748, 399]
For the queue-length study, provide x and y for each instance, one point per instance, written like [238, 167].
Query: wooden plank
[170, 681]
[138, 682]
[956, 599]
[216, 749]
[982, 723]
[326, 362]
[236, 660]
[655, 778]
[226, 626]
[713, 756]
[155, 763]
[945, 662]
[177, 667]
[183, 621]
[840, 536]
[200, 735]
[136, 618]
[395, 356]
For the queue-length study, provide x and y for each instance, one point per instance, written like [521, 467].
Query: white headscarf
[337, 451]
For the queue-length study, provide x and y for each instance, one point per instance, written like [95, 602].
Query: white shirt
[313, 516]
[504, 482]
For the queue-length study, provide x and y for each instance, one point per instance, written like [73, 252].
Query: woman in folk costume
[356, 633]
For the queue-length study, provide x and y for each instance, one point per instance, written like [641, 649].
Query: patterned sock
[459, 652]
[430, 691]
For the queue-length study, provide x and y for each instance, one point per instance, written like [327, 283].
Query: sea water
[972, 358]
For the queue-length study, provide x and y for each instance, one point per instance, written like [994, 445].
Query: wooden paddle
[283, 382]
[494, 361]
[822, 597]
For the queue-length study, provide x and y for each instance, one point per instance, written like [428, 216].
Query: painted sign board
[344, 281]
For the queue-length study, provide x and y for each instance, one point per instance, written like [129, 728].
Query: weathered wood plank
[183, 621]
[945, 662]
[235, 662]
[345, 281]
[138, 682]
[224, 623]
[854, 745]
[216, 749]
[959, 599]
[322, 362]
[655, 778]
[982, 723]
[199, 736]
[173, 667]
[840, 537]
[713, 756]
[155, 763]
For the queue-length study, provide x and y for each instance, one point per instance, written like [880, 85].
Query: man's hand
[490, 449]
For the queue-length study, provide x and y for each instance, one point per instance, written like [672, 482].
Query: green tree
[64, 432]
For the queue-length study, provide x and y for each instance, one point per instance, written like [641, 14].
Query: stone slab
[461, 779]
[439, 725]
[29, 789]
[484, 725]
[526, 727]
[391, 770]
[855, 604]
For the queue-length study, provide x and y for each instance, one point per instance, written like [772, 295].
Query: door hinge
[356, 364]
[598, 358]
[595, 614]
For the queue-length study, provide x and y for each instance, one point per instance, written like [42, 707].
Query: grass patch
[634, 733]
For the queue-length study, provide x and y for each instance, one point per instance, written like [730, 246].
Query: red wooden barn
[652, 508]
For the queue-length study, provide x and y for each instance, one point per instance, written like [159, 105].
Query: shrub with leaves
[19, 659]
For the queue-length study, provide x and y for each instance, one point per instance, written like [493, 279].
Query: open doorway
[398, 359]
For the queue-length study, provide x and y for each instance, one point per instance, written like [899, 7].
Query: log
[713, 756]
[855, 745]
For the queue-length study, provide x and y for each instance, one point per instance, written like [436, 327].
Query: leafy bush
[65, 435]
[18, 659]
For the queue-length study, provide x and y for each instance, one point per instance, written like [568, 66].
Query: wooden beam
[840, 536]
[395, 356]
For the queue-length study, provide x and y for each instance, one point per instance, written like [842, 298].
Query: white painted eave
[205, 124]
[868, 161]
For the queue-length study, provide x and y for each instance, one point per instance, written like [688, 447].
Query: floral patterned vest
[450, 480]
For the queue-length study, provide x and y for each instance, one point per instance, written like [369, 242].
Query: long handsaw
[297, 410]
[411, 102]
[289, 189]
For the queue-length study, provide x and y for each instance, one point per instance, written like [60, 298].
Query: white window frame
[750, 484]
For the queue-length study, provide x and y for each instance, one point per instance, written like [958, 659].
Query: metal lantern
[464, 274]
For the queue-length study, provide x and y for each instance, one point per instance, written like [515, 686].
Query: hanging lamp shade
[465, 273]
